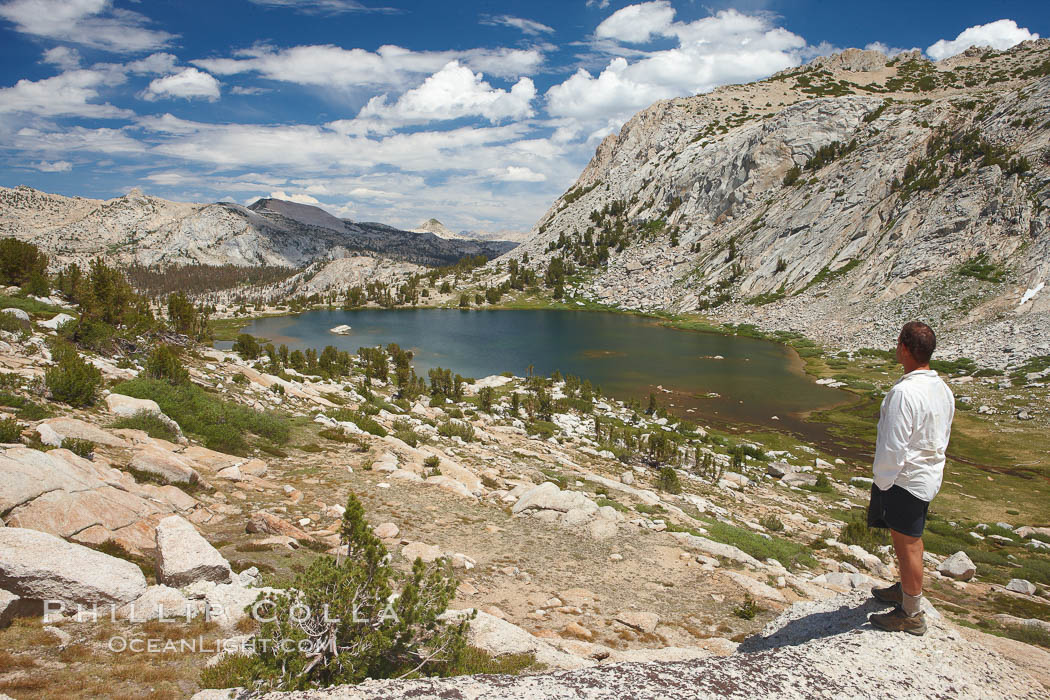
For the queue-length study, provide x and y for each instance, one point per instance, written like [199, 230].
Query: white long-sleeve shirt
[915, 422]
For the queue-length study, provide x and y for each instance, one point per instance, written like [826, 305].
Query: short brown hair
[919, 339]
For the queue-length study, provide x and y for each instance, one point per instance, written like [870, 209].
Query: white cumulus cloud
[63, 57]
[67, 94]
[452, 93]
[727, 47]
[57, 166]
[297, 198]
[334, 66]
[637, 23]
[155, 63]
[94, 23]
[1000, 34]
[517, 173]
[188, 84]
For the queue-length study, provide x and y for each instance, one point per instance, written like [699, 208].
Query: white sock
[912, 604]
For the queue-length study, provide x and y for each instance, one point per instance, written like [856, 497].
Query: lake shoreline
[818, 431]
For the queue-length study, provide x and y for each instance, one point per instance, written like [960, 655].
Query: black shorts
[898, 509]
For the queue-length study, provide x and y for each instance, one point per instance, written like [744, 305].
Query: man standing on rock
[915, 422]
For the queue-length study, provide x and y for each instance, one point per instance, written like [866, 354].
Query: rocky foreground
[814, 650]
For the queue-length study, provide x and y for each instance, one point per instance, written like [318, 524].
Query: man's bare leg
[909, 559]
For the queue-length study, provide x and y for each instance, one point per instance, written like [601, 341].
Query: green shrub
[875, 114]
[230, 671]
[432, 462]
[164, 363]
[772, 523]
[240, 378]
[544, 430]
[823, 484]
[340, 435]
[369, 425]
[404, 431]
[389, 620]
[73, 380]
[857, 532]
[220, 424]
[148, 422]
[9, 323]
[748, 609]
[10, 430]
[362, 418]
[668, 481]
[78, 446]
[457, 428]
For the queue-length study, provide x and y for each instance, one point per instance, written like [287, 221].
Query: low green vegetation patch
[981, 268]
[78, 446]
[24, 408]
[1021, 633]
[361, 419]
[602, 502]
[541, 428]
[30, 306]
[220, 424]
[783, 550]
[826, 274]
[457, 428]
[148, 422]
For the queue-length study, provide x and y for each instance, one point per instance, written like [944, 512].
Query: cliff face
[867, 182]
[138, 228]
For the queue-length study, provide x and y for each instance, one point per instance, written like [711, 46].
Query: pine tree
[355, 617]
[668, 480]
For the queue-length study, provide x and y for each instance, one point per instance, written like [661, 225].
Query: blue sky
[476, 112]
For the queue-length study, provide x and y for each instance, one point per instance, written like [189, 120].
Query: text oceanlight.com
[234, 645]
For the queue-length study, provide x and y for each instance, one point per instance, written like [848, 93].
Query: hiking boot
[897, 620]
[891, 595]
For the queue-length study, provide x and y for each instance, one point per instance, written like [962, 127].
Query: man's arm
[895, 428]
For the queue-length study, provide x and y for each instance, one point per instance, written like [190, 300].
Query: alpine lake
[705, 377]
